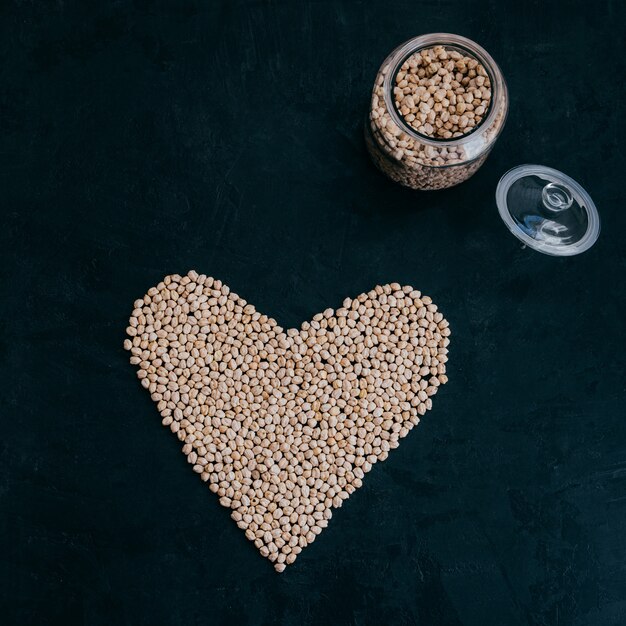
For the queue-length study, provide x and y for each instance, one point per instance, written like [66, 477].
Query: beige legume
[440, 78]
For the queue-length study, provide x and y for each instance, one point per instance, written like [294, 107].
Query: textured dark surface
[149, 138]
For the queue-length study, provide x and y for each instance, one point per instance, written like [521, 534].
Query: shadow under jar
[418, 160]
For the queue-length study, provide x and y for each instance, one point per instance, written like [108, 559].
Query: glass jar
[414, 159]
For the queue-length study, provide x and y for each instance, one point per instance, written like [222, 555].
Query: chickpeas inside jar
[438, 105]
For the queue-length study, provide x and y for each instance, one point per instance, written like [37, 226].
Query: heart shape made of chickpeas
[283, 425]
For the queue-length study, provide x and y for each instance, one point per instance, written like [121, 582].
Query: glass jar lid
[547, 210]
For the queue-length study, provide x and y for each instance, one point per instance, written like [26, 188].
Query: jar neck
[461, 44]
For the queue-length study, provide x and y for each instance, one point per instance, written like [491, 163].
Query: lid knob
[556, 197]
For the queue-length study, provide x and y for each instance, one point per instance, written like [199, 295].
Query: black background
[141, 139]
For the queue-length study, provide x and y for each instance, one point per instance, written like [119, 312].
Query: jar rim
[405, 50]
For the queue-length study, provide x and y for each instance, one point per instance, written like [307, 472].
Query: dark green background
[141, 139]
